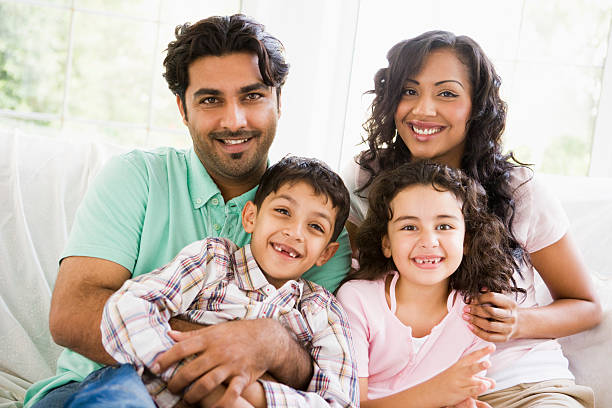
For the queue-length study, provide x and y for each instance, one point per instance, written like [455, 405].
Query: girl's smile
[425, 235]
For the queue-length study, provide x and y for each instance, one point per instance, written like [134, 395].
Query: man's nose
[234, 117]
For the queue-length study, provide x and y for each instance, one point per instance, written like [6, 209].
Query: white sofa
[42, 181]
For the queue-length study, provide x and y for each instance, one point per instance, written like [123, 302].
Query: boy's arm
[135, 321]
[334, 382]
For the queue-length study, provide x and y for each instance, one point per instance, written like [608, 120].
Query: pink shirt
[539, 221]
[384, 347]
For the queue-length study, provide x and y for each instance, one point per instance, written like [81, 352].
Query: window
[92, 69]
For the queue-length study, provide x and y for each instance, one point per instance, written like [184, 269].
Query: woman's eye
[281, 211]
[409, 92]
[445, 227]
[448, 94]
[409, 228]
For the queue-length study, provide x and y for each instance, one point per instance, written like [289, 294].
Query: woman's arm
[575, 307]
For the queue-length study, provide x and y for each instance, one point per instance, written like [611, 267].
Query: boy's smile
[291, 231]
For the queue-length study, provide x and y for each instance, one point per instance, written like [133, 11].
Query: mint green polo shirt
[140, 211]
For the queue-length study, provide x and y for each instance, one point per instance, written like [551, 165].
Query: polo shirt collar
[201, 186]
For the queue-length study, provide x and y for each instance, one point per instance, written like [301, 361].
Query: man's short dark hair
[322, 179]
[218, 36]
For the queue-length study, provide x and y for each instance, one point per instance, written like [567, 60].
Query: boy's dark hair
[489, 260]
[323, 180]
[221, 35]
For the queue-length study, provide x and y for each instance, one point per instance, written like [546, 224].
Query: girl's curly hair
[488, 261]
[483, 159]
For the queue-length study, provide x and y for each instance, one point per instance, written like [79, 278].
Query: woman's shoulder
[354, 173]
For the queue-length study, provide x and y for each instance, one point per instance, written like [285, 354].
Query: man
[226, 74]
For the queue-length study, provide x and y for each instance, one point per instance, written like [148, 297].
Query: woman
[438, 99]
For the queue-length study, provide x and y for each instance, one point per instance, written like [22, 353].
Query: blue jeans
[113, 386]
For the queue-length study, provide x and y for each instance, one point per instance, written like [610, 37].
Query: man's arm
[82, 287]
[235, 353]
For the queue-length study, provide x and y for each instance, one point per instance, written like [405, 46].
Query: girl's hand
[459, 384]
[493, 317]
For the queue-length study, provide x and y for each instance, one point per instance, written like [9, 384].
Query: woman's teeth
[425, 131]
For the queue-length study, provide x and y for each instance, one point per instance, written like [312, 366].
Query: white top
[539, 221]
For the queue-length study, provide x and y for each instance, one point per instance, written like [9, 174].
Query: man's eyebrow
[437, 83]
[259, 86]
[207, 91]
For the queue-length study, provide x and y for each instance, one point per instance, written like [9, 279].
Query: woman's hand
[493, 317]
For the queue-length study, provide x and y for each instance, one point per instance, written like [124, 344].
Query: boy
[294, 220]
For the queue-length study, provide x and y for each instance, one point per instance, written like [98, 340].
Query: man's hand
[235, 354]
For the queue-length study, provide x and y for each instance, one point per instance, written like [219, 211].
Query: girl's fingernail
[467, 309]
[466, 316]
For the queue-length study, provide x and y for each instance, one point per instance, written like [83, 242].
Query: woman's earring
[395, 136]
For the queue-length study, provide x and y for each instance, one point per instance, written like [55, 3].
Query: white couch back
[42, 181]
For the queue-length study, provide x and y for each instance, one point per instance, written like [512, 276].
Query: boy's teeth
[234, 141]
[428, 131]
[290, 253]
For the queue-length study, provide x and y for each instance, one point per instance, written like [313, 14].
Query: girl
[427, 245]
[438, 99]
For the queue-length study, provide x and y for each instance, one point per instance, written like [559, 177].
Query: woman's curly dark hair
[483, 159]
[488, 260]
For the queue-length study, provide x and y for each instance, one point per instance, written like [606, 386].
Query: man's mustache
[239, 134]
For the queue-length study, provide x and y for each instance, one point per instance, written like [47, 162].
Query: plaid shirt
[211, 281]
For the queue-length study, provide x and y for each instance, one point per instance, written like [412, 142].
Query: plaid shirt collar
[249, 276]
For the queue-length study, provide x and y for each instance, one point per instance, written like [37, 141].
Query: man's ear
[181, 108]
[249, 215]
[386, 246]
[327, 253]
[278, 102]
